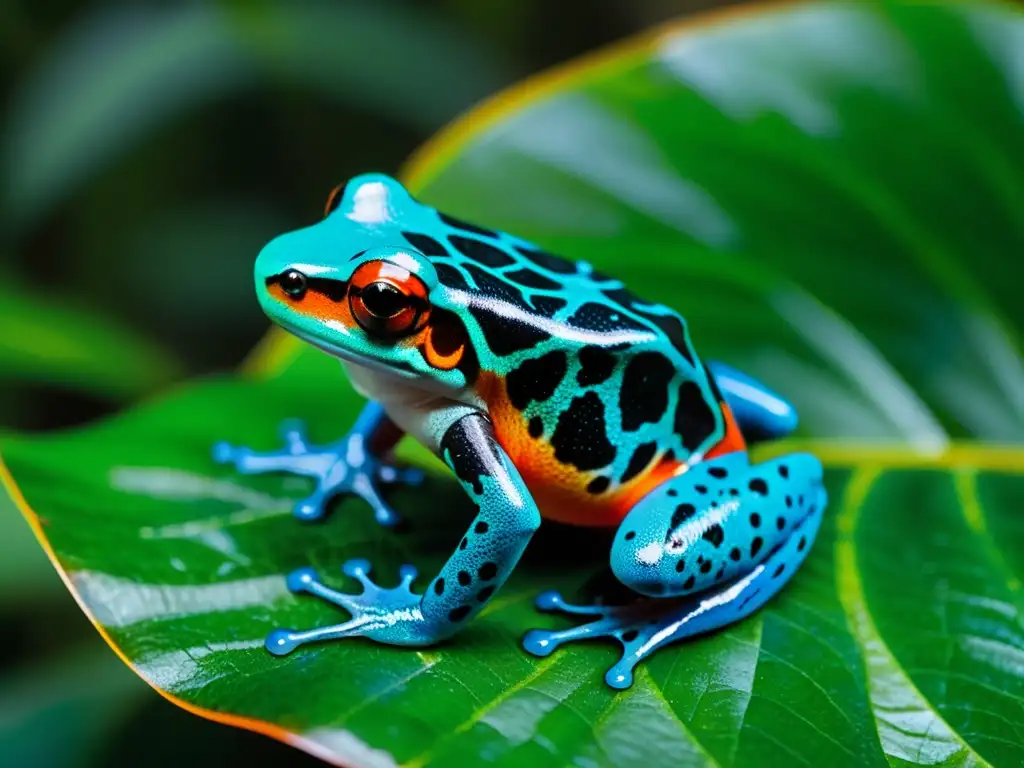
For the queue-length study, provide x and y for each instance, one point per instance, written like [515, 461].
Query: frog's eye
[387, 300]
[334, 199]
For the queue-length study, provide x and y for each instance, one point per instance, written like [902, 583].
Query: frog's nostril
[293, 283]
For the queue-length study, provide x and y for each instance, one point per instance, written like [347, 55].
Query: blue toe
[280, 642]
[308, 510]
[619, 677]
[538, 642]
[386, 517]
[300, 580]
[222, 452]
[356, 568]
[548, 601]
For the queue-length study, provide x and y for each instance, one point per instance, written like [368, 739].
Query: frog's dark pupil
[383, 300]
[293, 283]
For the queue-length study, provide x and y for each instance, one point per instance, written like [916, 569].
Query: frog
[552, 393]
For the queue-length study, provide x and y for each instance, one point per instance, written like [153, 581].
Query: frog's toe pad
[549, 601]
[310, 509]
[224, 453]
[281, 642]
[538, 642]
[300, 580]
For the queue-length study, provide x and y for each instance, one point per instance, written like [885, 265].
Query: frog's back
[596, 395]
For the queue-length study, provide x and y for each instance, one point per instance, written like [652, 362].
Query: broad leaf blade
[790, 209]
[183, 565]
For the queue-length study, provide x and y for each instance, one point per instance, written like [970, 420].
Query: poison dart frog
[551, 391]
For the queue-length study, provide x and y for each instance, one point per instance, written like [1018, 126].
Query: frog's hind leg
[718, 541]
[352, 465]
[646, 625]
[761, 413]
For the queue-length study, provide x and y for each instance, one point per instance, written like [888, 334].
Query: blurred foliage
[26, 575]
[149, 150]
[45, 338]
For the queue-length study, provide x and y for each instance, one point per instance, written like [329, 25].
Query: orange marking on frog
[443, 342]
[732, 440]
[559, 489]
[316, 305]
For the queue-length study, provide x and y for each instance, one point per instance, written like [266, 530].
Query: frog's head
[354, 287]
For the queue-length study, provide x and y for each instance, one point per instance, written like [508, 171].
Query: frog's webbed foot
[343, 467]
[647, 624]
[389, 616]
[638, 626]
[641, 627]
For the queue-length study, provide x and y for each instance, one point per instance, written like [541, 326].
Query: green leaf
[831, 194]
[54, 341]
[120, 72]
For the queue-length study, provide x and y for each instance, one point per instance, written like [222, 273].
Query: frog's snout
[272, 261]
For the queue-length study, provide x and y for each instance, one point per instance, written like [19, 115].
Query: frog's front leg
[481, 563]
[352, 465]
[718, 541]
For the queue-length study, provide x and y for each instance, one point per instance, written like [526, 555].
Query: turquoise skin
[551, 391]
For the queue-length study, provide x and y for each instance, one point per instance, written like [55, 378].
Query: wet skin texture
[551, 391]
